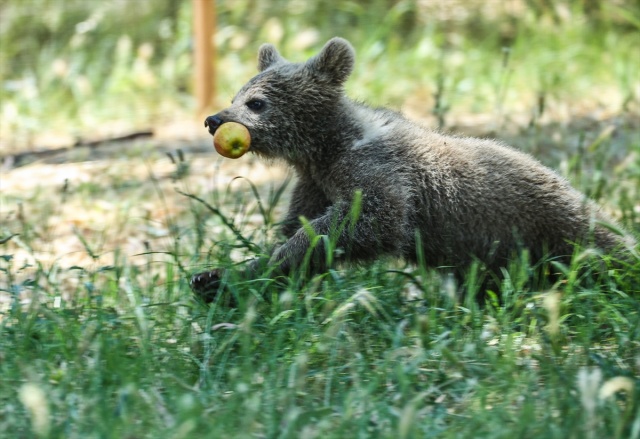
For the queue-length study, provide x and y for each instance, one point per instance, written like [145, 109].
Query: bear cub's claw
[206, 285]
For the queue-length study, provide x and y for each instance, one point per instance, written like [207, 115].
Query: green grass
[356, 353]
[100, 336]
[120, 348]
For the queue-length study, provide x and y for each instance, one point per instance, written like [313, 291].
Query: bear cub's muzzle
[213, 123]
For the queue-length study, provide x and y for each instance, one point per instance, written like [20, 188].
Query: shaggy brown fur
[468, 199]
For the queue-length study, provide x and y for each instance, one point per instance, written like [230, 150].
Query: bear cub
[460, 199]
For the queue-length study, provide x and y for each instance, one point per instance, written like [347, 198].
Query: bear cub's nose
[212, 122]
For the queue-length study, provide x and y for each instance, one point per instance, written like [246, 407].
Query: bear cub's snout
[213, 123]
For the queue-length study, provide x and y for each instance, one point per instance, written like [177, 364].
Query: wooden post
[204, 29]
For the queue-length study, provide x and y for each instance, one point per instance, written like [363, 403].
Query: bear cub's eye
[256, 104]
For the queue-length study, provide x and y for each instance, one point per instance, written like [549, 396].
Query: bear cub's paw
[206, 285]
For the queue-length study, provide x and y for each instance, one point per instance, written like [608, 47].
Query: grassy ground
[101, 338]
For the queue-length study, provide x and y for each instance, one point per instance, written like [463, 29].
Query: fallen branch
[15, 160]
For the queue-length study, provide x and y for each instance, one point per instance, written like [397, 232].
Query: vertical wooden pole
[204, 29]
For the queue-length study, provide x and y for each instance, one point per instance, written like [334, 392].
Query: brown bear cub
[460, 199]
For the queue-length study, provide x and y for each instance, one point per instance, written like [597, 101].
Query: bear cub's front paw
[206, 285]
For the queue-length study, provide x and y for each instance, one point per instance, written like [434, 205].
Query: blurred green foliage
[77, 65]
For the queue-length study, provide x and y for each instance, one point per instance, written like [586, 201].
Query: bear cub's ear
[268, 56]
[335, 61]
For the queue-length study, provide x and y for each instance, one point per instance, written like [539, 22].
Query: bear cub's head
[289, 108]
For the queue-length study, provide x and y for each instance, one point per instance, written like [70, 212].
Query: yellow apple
[232, 140]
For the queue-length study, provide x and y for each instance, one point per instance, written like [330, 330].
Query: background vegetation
[99, 334]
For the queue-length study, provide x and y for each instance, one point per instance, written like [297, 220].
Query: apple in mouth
[232, 140]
